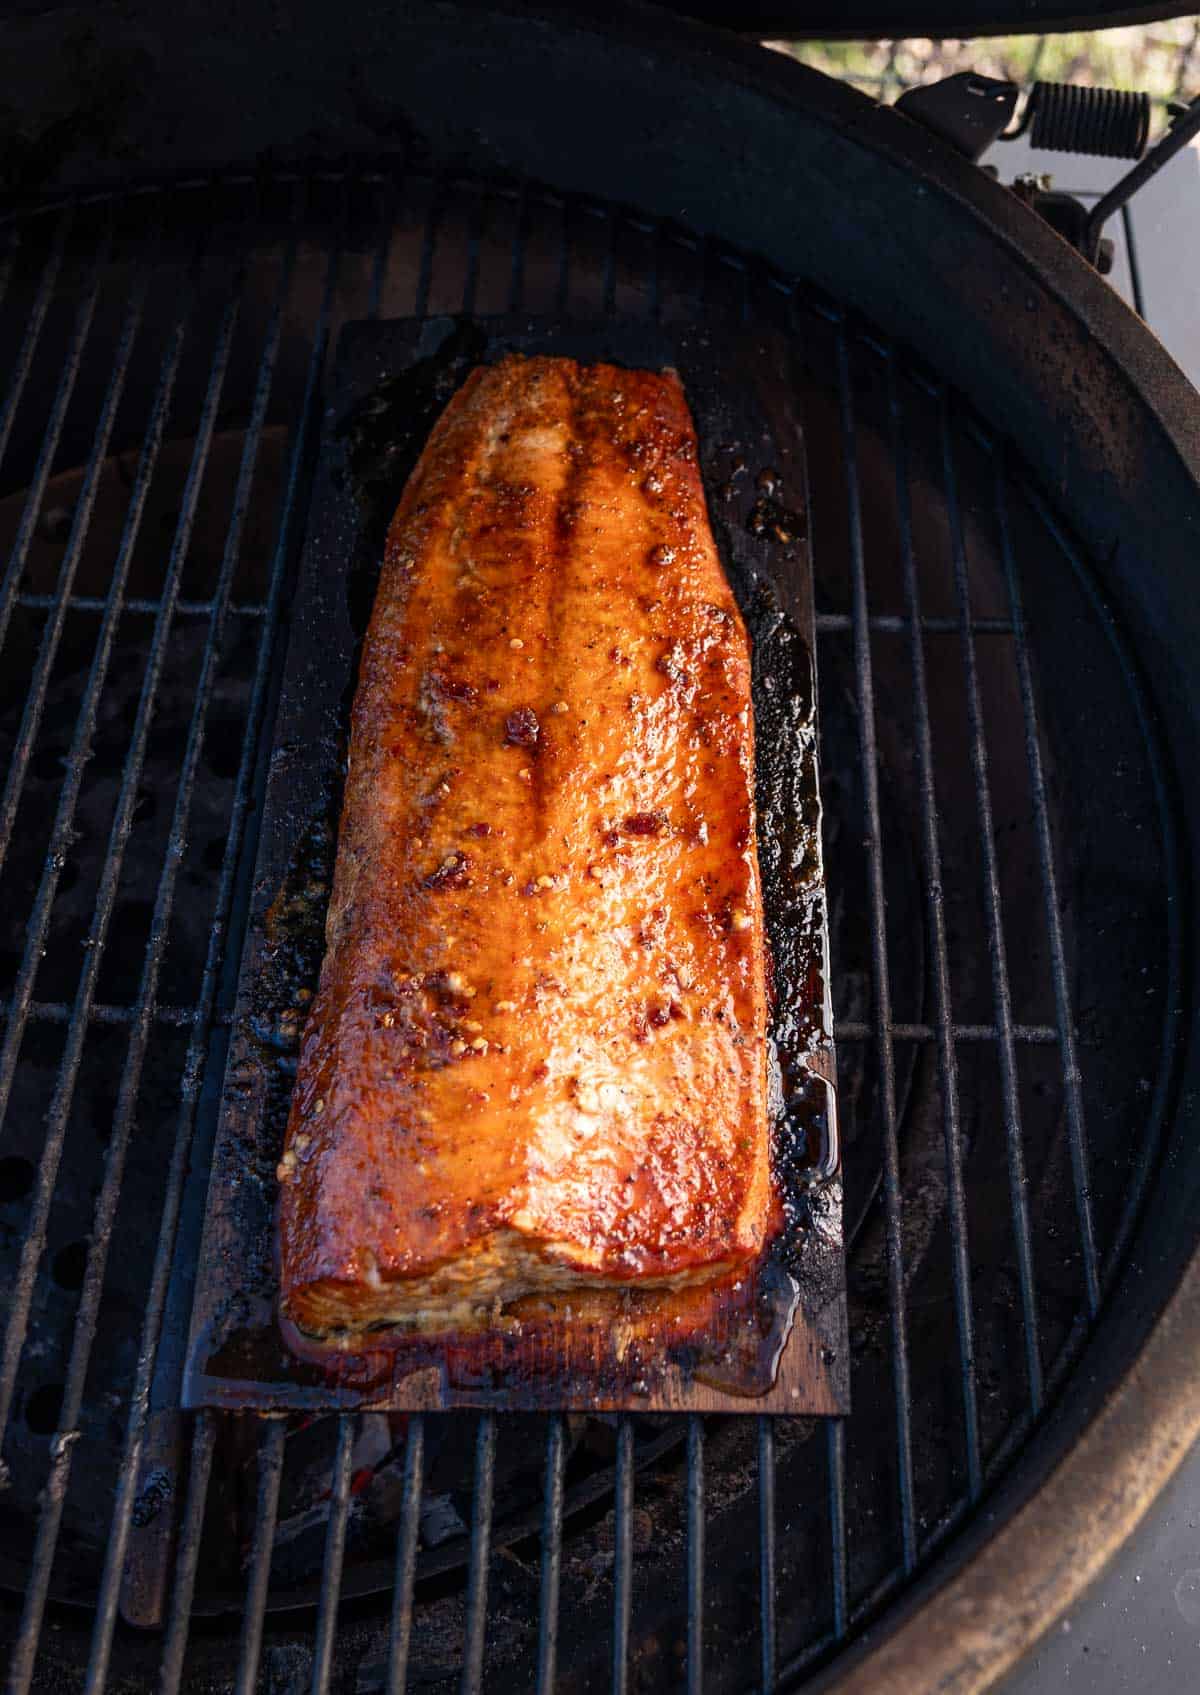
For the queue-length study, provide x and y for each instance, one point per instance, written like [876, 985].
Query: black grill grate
[1002, 942]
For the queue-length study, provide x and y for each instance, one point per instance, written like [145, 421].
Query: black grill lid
[864, 20]
[869, 20]
[91, 88]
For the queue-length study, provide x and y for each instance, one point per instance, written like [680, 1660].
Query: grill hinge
[970, 112]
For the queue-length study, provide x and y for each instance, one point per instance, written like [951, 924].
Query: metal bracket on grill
[966, 110]
[1064, 213]
[1083, 227]
[970, 112]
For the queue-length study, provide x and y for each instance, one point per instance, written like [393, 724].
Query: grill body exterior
[1004, 472]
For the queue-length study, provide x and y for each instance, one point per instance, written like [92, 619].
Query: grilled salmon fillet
[536, 1061]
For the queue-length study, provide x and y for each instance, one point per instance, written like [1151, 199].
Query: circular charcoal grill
[1003, 469]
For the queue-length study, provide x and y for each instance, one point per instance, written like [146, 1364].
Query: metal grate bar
[609, 285]
[98, 603]
[406, 1556]
[695, 1555]
[835, 1462]
[880, 970]
[747, 313]
[947, 1056]
[552, 1514]
[895, 624]
[622, 1556]
[478, 201]
[271, 1447]
[33, 329]
[7, 262]
[35, 698]
[60, 839]
[335, 1551]
[1176, 1010]
[562, 286]
[428, 241]
[1027, 1035]
[72, 361]
[695, 250]
[61, 836]
[194, 1063]
[388, 219]
[940, 1533]
[516, 282]
[54, 1494]
[204, 1434]
[869, 1604]
[387, 222]
[704, 282]
[101, 1012]
[654, 276]
[39, 920]
[1072, 1078]
[767, 1632]
[730, 267]
[1004, 1020]
[471, 1681]
[155, 949]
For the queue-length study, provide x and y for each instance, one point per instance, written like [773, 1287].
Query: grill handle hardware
[1064, 213]
[966, 110]
[1184, 123]
[970, 112]
[1082, 227]
[1062, 117]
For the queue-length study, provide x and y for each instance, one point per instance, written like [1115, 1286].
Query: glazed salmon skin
[537, 1057]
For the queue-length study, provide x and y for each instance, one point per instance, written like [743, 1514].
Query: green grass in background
[1163, 59]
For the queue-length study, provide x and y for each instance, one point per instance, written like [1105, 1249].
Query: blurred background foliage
[1161, 58]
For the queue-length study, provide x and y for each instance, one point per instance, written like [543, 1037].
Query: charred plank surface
[766, 1329]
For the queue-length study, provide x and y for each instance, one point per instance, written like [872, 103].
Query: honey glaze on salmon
[536, 1062]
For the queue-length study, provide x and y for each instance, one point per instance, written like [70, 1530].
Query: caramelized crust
[537, 1057]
